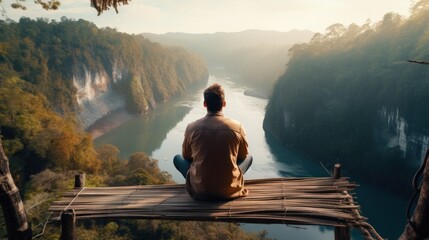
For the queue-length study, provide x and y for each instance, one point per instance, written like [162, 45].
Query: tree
[417, 227]
[109, 155]
[11, 203]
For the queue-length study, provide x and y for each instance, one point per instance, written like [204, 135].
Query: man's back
[215, 143]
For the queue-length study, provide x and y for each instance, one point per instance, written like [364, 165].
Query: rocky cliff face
[104, 90]
[394, 131]
[96, 94]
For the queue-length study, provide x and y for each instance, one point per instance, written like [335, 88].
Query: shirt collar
[218, 113]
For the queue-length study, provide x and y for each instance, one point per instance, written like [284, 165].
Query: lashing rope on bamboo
[71, 202]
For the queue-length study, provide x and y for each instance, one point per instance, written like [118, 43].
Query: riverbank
[109, 122]
[256, 94]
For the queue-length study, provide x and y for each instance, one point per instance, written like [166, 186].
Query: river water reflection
[160, 135]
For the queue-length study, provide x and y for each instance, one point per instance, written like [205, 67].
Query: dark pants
[183, 165]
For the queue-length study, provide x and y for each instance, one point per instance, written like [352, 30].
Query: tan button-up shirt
[214, 143]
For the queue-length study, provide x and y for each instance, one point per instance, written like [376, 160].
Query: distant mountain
[232, 40]
[253, 57]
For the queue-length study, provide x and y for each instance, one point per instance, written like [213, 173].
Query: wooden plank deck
[321, 201]
[302, 201]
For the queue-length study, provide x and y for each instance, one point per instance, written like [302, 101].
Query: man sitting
[214, 152]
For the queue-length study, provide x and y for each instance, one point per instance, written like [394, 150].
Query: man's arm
[186, 146]
[243, 148]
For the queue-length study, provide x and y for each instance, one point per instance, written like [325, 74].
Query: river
[160, 135]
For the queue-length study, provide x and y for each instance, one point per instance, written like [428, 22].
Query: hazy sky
[208, 16]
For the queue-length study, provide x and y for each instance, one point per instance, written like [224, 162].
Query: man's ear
[205, 104]
[224, 104]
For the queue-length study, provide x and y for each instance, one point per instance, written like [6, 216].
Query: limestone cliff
[394, 131]
[96, 95]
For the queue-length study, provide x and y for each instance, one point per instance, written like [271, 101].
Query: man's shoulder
[236, 126]
[195, 124]
[232, 121]
[215, 123]
[230, 124]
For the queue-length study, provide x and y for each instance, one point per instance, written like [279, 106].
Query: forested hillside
[351, 96]
[80, 68]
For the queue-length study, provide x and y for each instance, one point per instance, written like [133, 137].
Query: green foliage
[189, 230]
[41, 190]
[167, 71]
[143, 170]
[328, 102]
[39, 136]
[47, 5]
[109, 155]
[137, 96]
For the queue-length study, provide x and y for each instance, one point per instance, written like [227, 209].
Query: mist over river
[160, 135]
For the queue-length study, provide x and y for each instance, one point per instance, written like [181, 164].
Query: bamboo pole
[341, 233]
[337, 171]
[68, 216]
[79, 180]
[68, 225]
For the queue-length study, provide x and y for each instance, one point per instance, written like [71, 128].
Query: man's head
[214, 98]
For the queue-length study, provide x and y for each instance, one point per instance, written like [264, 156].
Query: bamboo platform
[322, 201]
